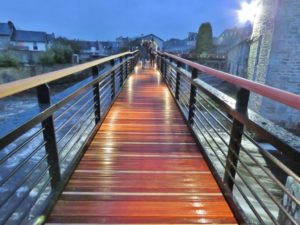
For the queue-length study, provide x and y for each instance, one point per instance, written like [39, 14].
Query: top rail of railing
[255, 161]
[39, 152]
[287, 98]
[27, 83]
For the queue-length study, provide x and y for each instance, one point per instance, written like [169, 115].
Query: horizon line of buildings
[231, 45]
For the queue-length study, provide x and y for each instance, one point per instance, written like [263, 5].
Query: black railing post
[158, 62]
[126, 66]
[130, 64]
[113, 88]
[235, 138]
[165, 67]
[96, 90]
[192, 98]
[161, 64]
[44, 100]
[122, 72]
[177, 81]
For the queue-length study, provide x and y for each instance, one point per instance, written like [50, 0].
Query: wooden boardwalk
[143, 167]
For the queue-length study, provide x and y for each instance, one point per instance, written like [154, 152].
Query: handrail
[276, 94]
[31, 82]
[57, 135]
[231, 135]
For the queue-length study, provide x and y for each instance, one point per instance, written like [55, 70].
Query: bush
[46, 58]
[57, 54]
[8, 60]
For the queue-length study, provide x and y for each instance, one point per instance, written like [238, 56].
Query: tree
[204, 44]
[57, 54]
[73, 44]
[8, 60]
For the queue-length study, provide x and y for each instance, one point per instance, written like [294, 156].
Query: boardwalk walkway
[143, 167]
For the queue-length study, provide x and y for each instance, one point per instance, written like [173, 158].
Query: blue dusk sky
[108, 19]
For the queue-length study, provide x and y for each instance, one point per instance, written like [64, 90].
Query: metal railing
[38, 157]
[261, 187]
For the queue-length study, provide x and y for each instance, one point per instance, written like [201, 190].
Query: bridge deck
[143, 167]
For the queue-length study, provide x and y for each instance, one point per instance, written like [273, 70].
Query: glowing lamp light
[248, 11]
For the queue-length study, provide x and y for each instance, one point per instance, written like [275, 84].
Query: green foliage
[73, 44]
[46, 58]
[8, 60]
[57, 54]
[204, 44]
[62, 53]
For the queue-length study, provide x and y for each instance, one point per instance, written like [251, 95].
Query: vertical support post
[126, 67]
[236, 138]
[113, 88]
[122, 72]
[162, 65]
[158, 62]
[192, 98]
[44, 100]
[177, 90]
[96, 89]
[129, 65]
[165, 67]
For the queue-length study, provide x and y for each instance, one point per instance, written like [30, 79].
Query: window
[35, 47]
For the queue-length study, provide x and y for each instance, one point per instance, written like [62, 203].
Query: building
[6, 32]
[110, 47]
[237, 58]
[181, 46]
[176, 46]
[123, 41]
[26, 46]
[12, 38]
[274, 57]
[157, 40]
[231, 37]
[31, 40]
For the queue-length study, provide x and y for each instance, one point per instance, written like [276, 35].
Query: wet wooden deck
[143, 167]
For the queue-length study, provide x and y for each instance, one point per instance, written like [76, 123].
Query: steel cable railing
[46, 149]
[230, 135]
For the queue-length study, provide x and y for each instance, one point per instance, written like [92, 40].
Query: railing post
[96, 89]
[113, 88]
[162, 65]
[130, 64]
[158, 62]
[122, 72]
[177, 81]
[126, 67]
[165, 67]
[44, 100]
[192, 98]
[235, 138]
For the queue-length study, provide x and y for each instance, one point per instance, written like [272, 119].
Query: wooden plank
[143, 167]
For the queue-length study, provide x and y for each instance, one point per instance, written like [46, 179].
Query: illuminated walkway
[143, 167]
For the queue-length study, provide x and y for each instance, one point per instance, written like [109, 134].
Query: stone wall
[237, 59]
[11, 74]
[274, 57]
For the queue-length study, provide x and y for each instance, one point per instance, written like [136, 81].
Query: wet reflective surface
[143, 167]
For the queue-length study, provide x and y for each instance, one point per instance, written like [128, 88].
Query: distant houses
[235, 45]
[25, 45]
[230, 53]
[12, 38]
[181, 46]
[32, 40]
[6, 33]
[158, 41]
